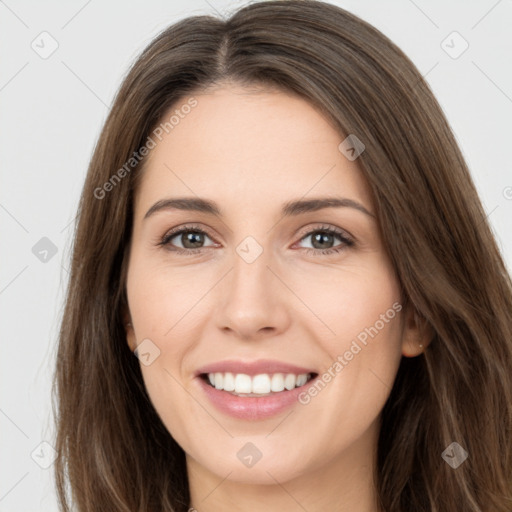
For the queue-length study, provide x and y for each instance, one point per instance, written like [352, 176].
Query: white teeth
[243, 383]
[277, 383]
[261, 384]
[229, 382]
[289, 381]
[301, 380]
[219, 380]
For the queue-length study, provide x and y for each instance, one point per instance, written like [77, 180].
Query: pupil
[193, 238]
[321, 238]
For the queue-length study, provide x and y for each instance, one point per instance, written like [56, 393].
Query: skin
[250, 150]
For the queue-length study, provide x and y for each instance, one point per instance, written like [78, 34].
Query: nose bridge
[251, 275]
[253, 296]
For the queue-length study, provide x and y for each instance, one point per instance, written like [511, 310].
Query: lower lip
[252, 408]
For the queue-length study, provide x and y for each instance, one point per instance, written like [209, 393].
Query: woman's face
[259, 290]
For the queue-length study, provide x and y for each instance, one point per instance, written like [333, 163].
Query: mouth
[253, 389]
[261, 385]
[257, 397]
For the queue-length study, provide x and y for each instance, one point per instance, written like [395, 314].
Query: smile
[253, 390]
[264, 384]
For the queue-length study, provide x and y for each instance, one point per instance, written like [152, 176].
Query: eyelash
[165, 241]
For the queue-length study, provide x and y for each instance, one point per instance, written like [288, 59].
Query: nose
[253, 299]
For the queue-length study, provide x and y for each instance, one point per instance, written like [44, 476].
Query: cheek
[361, 312]
[164, 308]
[163, 303]
[348, 300]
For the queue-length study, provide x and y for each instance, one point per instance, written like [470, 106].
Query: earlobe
[130, 336]
[130, 333]
[417, 334]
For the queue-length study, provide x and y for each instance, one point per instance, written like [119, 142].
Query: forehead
[247, 145]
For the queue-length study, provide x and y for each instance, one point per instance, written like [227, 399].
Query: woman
[208, 358]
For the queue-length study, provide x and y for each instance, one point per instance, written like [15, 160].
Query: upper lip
[253, 367]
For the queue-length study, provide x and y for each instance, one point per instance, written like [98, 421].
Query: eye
[190, 237]
[323, 238]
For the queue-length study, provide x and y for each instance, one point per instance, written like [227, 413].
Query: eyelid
[185, 227]
[308, 230]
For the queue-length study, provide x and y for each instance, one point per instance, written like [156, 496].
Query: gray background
[53, 108]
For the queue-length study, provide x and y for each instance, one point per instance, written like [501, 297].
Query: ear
[417, 333]
[130, 333]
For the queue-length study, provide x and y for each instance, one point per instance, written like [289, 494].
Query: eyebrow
[290, 208]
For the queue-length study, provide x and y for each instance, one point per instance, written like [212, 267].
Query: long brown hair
[114, 453]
